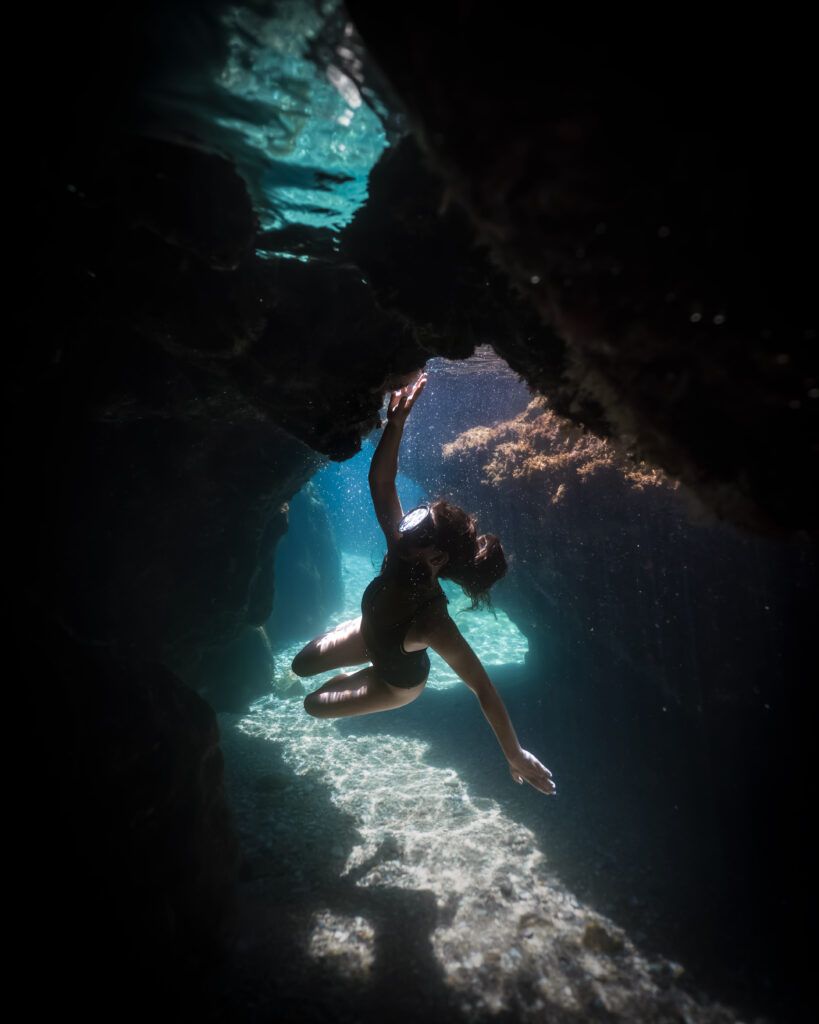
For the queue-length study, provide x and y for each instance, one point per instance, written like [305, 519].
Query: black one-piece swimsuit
[385, 644]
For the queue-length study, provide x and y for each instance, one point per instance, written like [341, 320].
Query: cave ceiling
[623, 224]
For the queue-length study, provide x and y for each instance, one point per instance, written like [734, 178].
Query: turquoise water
[312, 121]
[283, 97]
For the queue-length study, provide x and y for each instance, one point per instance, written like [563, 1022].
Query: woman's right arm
[446, 639]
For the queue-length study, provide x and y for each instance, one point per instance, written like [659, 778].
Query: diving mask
[417, 526]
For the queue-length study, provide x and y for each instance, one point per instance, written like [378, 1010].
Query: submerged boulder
[231, 676]
[308, 571]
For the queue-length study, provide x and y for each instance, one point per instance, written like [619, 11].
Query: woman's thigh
[342, 645]
[357, 693]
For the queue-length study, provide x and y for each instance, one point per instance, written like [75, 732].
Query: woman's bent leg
[342, 645]
[356, 693]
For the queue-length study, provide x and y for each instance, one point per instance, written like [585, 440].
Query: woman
[403, 610]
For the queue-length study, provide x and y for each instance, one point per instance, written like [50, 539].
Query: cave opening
[243, 222]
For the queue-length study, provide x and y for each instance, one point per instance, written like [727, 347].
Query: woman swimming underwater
[403, 610]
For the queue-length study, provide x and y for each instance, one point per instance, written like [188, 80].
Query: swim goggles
[418, 525]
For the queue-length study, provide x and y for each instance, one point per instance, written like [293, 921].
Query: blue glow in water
[345, 493]
[277, 89]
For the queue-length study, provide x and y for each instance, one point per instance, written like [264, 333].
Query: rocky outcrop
[653, 201]
[569, 508]
[613, 563]
[308, 590]
[421, 259]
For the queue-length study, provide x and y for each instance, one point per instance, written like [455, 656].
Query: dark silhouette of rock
[126, 827]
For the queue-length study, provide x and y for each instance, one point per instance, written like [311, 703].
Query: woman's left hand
[526, 766]
[402, 401]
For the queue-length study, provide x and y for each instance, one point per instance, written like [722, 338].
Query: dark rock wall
[170, 390]
[126, 847]
[166, 532]
[424, 263]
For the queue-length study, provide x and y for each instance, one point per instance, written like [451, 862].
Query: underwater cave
[248, 230]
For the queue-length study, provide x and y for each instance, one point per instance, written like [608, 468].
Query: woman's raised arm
[384, 467]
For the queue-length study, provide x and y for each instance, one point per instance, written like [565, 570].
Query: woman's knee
[303, 665]
[312, 706]
[320, 704]
[357, 693]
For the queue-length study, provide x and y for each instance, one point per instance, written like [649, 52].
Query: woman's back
[390, 603]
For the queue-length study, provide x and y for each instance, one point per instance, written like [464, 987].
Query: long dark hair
[476, 561]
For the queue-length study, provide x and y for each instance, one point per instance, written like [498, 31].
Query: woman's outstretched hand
[402, 401]
[526, 766]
